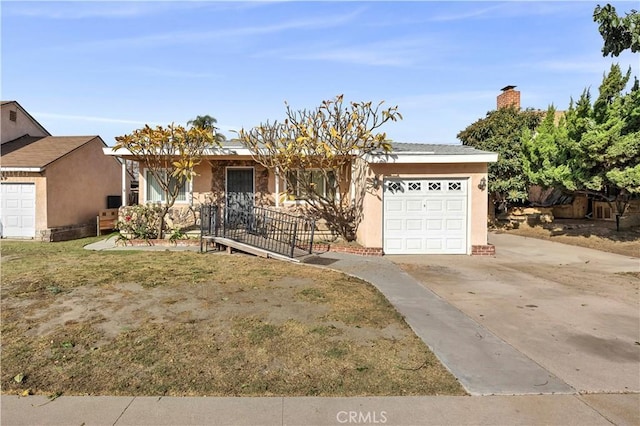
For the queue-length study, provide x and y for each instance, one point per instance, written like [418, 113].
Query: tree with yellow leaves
[314, 152]
[170, 155]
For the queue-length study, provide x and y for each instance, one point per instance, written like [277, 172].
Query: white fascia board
[107, 150]
[122, 152]
[21, 169]
[407, 157]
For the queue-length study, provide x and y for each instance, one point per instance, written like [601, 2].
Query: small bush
[139, 222]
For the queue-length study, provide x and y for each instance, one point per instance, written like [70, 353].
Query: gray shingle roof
[435, 149]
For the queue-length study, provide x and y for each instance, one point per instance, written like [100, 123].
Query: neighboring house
[423, 199]
[52, 186]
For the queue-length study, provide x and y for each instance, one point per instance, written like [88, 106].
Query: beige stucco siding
[370, 230]
[78, 185]
[41, 196]
[23, 125]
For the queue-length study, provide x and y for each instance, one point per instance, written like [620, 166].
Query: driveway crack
[579, 397]
[123, 411]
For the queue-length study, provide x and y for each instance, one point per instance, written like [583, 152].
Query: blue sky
[107, 68]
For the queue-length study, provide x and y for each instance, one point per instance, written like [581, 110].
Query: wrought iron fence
[261, 227]
[208, 223]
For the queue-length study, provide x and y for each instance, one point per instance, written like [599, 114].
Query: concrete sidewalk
[595, 409]
[483, 363]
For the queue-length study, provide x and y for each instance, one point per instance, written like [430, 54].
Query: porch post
[124, 200]
[277, 178]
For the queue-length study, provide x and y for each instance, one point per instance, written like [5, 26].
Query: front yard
[78, 322]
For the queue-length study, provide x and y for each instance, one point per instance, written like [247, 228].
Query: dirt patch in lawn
[595, 234]
[180, 323]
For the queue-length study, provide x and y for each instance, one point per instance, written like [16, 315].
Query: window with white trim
[322, 184]
[155, 193]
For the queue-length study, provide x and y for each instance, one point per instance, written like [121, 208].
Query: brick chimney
[508, 97]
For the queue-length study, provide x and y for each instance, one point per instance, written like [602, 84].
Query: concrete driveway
[572, 310]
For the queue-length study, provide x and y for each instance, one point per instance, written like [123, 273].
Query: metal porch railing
[264, 228]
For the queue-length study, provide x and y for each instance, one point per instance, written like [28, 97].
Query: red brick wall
[363, 251]
[509, 98]
[487, 250]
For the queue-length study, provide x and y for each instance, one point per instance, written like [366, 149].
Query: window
[415, 186]
[455, 186]
[155, 193]
[322, 186]
[13, 115]
[434, 186]
[394, 186]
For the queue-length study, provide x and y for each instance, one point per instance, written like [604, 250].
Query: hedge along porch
[426, 190]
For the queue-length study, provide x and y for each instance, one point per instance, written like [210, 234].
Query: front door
[240, 192]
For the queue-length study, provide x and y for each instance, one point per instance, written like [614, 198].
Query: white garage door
[425, 216]
[18, 210]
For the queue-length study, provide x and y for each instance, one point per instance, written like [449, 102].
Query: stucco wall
[41, 195]
[23, 125]
[79, 183]
[370, 230]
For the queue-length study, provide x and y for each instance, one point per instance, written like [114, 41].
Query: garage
[425, 216]
[18, 210]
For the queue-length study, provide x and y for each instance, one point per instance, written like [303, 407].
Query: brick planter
[483, 250]
[161, 243]
[362, 251]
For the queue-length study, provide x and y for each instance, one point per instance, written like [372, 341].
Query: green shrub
[139, 222]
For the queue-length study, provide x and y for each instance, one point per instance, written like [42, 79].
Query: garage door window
[455, 186]
[434, 186]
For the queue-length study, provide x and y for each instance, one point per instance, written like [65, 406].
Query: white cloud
[77, 10]
[467, 13]
[91, 118]
[165, 72]
[466, 10]
[445, 100]
[220, 35]
[394, 53]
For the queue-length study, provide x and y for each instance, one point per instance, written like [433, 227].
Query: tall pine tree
[594, 149]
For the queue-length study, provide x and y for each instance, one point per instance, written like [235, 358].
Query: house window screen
[322, 186]
[155, 193]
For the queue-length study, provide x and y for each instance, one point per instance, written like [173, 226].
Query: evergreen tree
[501, 131]
[594, 149]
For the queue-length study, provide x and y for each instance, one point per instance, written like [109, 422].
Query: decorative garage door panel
[18, 210]
[425, 216]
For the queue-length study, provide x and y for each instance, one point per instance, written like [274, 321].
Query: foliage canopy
[314, 152]
[207, 122]
[619, 33]
[170, 154]
[595, 148]
[501, 131]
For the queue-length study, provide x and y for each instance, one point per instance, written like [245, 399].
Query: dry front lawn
[78, 322]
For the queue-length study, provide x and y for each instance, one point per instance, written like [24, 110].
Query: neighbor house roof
[28, 152]
[3, 103]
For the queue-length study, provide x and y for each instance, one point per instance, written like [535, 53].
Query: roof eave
[425, 158]
[21, 169]
[123, 152]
